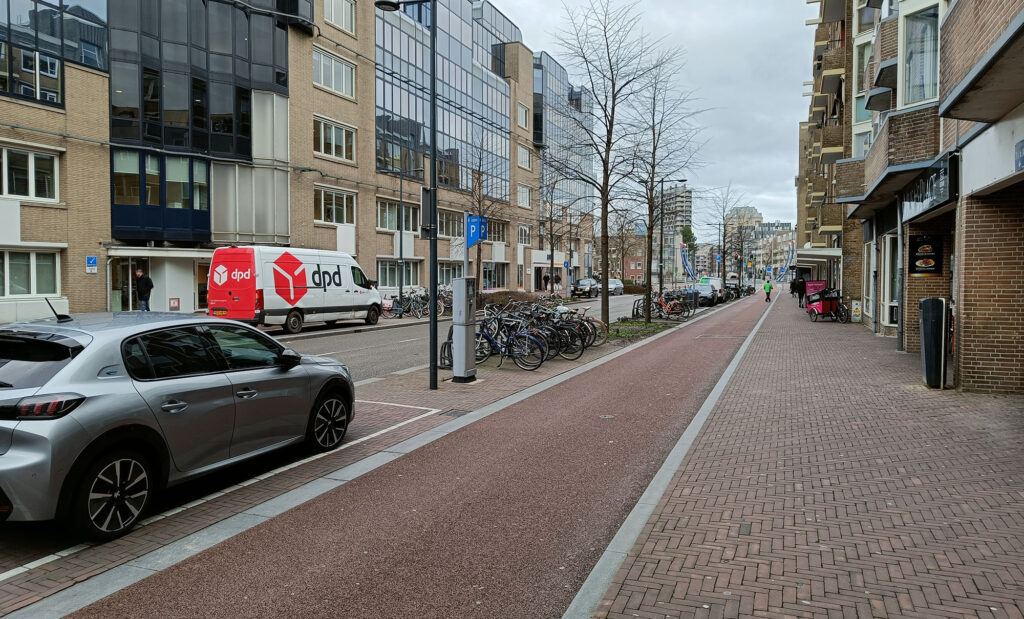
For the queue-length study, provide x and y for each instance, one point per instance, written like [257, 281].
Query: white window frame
[31, 197]
[410, 207]
[523, 111]
[450, 224]
[528, 230]
[331, 12]
[447, 271]
[905, 16]
[496, 229]
[51, 62]
[529, 196]
[329, 58]
[347, 129]
[390, 267]
[33, 277]
[494, 268]
[336, 191]
[522, 150]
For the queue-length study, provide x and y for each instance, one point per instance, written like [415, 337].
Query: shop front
[179, 277]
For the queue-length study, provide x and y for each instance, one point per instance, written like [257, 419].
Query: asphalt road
[372, 354]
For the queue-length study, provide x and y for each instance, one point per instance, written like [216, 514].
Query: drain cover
[607, 416]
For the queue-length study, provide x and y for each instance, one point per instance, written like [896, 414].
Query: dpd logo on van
[220, 275]
[289, 278]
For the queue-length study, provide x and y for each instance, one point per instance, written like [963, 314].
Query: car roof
[111, 324]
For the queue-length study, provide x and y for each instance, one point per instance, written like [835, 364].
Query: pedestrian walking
[547, 280]
[801, 290]
[767, 290]
[143, 287]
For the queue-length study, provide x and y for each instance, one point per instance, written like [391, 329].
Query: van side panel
[232, 284]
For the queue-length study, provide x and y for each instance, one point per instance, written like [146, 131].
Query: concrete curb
[597, 583]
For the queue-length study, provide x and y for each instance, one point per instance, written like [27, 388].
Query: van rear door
[232, 286]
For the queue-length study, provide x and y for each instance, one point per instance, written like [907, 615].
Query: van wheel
[293, 323]
[372, 315]
[330, 323]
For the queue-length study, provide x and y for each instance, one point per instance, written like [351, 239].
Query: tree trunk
[649, 240]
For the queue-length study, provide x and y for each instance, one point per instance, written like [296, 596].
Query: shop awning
[159, 252]
[810, 256]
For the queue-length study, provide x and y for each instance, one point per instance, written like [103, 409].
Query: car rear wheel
[328, 422]
[112, 496]
[293, 322]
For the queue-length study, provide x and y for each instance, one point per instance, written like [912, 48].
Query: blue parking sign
[476, 230]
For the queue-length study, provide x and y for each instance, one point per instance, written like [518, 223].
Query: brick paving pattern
[829, 482]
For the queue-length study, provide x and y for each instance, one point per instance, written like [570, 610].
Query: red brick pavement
[829, 482]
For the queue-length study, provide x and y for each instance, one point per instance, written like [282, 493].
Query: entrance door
[122, 283]
[202, 278]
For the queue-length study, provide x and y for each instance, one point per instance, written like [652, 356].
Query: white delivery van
[288, 286]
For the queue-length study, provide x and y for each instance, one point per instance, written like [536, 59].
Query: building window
[341, 13]
[525, 157]
[29, 273]
[447, 271]
[334, 140]
[31, 74]
[921, 67]
[335, 207]
[863, 56]
[497, 231]
[495, 275]
[387, 216]
[450, 224]
[524, 116]
[178, 195]
[28, 175]
[334, 73]
[861, 143]
[525, 234]
[891, 274]
[387, 274]
[865, 18]
[863, 113]
[183, 182]
[524, 196]
[200, 186]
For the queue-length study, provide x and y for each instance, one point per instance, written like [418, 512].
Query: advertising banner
[925, 256]
[815, 286]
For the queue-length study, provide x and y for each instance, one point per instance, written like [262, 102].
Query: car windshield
[586, 282]
[30, 360]
[705, 287]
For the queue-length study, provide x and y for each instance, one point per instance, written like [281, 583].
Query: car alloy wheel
[116, 492]
[330, 422]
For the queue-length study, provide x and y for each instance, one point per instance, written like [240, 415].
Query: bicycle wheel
[572, 344]
[600, 331]
[483, 349]
[588, 331]
[844, 314]
[526, 351]
[445, 354]
[554, 343]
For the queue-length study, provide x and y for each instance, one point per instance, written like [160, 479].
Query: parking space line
[177, 510]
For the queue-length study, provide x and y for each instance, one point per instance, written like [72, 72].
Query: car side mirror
[289, 358]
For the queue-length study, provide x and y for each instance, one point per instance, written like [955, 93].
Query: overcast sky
[747, 60]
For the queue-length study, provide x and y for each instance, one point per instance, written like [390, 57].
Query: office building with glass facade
[145, 133]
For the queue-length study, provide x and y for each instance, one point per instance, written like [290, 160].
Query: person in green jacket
[767, 290]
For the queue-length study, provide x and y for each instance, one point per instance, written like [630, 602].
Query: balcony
[879, 99]
[833, 11]
[849, 178]
[907, 142]
[982, 82]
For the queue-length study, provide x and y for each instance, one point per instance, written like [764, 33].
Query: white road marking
[176, 510]
[412, 369]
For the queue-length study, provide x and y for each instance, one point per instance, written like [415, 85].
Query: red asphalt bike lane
[503, 518]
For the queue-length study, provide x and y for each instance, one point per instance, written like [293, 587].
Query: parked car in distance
[718, 285]
[586, 287]
[101, 412]
[708, 295]
[615, 287]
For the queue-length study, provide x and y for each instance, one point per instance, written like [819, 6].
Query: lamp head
[387, 5]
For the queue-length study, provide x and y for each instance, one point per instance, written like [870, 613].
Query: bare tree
[607, 49]
[622, 236]
[561, 218]
[485, 194]
[665, 148]
[719, 212]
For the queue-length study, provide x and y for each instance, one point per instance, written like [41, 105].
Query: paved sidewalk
[829, 482]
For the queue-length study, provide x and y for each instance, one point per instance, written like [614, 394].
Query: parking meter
[464, 329]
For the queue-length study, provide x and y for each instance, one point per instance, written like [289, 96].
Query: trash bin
[932, 320]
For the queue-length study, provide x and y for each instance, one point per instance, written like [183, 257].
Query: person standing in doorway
[767, 290]
[143, 286]
[801, 289]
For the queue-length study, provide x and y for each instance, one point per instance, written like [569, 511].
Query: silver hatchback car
[99, 412]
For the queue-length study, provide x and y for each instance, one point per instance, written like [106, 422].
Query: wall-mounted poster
[925, 256]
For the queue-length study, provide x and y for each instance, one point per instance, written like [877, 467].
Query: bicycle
[525, 350]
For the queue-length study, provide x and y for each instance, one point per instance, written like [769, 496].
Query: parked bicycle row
[531, 333]
[681, 303]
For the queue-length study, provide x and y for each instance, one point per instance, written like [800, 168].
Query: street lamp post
[661, 239]
[431, 227]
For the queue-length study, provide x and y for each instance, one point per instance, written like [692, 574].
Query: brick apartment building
[934, 177]
[147, 133]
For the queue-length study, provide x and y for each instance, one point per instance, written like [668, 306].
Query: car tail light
[46, 406]
[259, 300]
[5, 506]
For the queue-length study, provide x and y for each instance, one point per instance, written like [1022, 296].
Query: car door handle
[174, 406]
[247, 393]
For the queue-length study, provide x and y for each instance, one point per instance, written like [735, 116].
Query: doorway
[122, 282]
